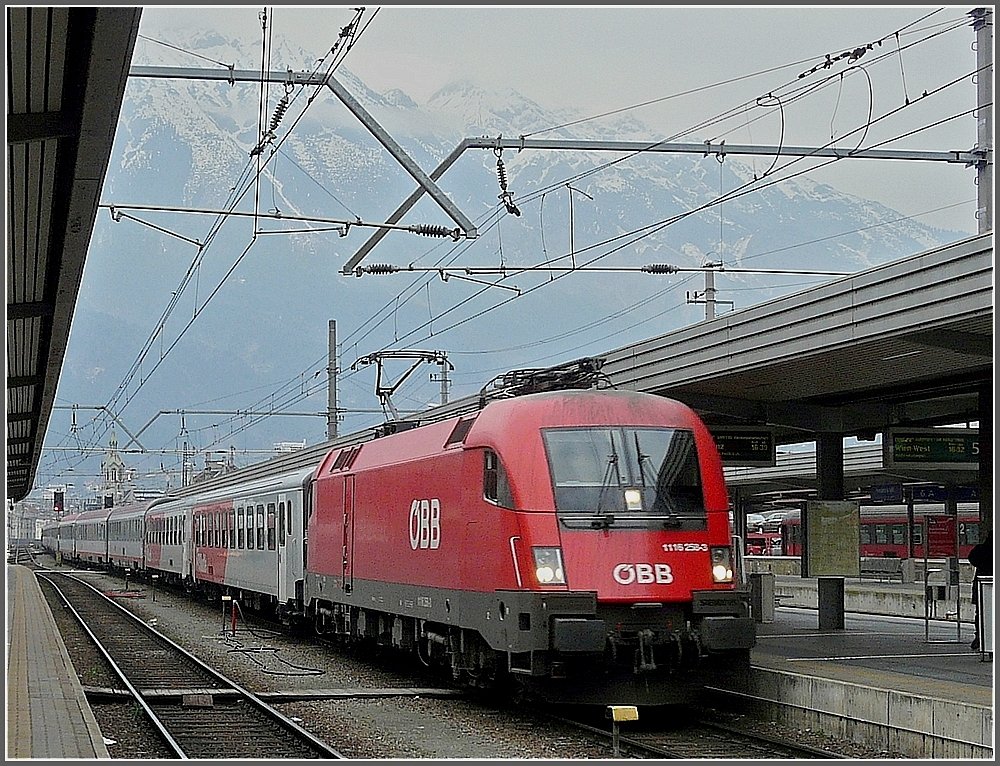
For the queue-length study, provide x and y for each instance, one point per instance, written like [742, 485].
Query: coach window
[281, 523]
[239, 528]
[232, 527]
[881, 534]
[270, 526]
[866, 534]
[260, 527]
[899, 534]
[496, 488]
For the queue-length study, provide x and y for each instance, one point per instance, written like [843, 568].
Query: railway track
[696, 739]
[197, 712]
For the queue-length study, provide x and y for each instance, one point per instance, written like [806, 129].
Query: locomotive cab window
[625, 476]
[496, 488]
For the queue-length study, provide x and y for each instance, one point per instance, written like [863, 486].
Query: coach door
[284, 559]
[348, 535]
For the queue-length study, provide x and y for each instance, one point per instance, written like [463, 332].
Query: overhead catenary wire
[769, 70]
[798, 90]
[347, 33]
[832, 236]
[641, 233]
[554, 185]
[223, 215]
[193, 270]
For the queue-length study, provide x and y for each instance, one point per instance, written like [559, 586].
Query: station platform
[909, 686]
[48, 716]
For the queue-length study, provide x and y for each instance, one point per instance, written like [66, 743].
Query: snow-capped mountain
[262, 300]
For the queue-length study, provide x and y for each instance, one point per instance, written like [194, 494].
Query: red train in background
[884, 530]
[568, 540]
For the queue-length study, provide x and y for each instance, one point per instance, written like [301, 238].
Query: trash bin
[762, 596]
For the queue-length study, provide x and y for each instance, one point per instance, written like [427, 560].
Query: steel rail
[229, 688]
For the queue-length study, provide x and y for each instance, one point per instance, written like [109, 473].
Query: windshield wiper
[606, 481]
[642, 456]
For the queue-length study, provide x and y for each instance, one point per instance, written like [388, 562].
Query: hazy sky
[600, 59]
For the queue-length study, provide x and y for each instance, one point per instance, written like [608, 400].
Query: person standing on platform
[981, 557]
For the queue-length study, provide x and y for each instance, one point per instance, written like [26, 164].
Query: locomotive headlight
[549, 566]
[722, 565]
[633, 499]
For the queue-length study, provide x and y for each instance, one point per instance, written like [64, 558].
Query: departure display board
[937, 448]
[831, 539]
[745, 446]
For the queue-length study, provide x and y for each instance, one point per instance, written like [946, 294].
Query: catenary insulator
[279, 112]
[659, 268]
[382, 268]
[430, 230]
[501, 174]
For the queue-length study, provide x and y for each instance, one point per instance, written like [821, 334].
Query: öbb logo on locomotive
[643, 574]
[425, 524]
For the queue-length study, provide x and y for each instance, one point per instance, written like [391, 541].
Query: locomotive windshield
[623, 476]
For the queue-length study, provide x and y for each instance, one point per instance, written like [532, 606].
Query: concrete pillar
[830, 599]
[830, 486]
[829, 467]
[986, 457]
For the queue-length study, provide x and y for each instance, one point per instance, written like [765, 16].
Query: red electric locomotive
[576, 542]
